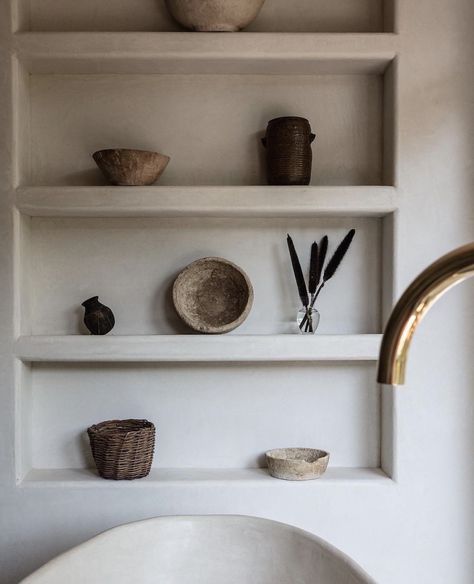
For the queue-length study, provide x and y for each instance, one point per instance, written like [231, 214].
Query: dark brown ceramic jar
[98, 318]
[289, 156]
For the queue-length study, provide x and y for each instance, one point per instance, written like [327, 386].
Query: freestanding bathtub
[209, 549]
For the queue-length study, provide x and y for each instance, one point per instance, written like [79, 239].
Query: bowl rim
[225, 327]
[141, 151]
[322, 454]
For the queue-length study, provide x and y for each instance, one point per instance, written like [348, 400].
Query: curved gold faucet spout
[415, 302]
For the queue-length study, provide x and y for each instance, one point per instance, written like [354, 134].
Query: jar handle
[312, 137]
[264, 141]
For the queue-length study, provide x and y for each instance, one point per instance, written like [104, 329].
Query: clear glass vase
[307, 320]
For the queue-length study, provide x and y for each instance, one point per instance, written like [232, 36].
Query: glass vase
[307, 320]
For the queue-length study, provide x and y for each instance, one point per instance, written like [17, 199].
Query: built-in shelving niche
[79, 91]
[210, 125]
[151, 15]
[194, 406]
[83, 93]
[131, 264]
[194, 386]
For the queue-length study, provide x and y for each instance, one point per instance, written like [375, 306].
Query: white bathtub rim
[249, 519]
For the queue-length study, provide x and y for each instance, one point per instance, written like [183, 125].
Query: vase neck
[90, 302]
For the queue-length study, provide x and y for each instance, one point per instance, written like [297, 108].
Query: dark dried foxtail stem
[331, 267]
[323, 249]
[313, 269]
[295, 262]
[313, 282]
[338, 256]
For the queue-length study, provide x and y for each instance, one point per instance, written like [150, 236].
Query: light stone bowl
[213, 295]
[297, 464]
[214, 15]
[126, 167]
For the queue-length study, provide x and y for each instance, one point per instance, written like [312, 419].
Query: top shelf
[204, 53]
[211, 201]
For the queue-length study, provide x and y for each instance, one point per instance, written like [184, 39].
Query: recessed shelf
[192, 403]
[178, 53]
[132, 262]
[193, 477]
[198, 348]
[209, 201]
[214, 136]
[151, 15]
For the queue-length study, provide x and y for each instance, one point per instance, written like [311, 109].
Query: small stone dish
[125, 167]
[212, 295]
[297, 464]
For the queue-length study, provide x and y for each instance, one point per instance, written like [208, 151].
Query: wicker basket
[122, 449]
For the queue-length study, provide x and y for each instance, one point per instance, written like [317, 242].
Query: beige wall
[419, 528]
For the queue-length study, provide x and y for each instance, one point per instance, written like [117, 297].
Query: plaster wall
[419, 528]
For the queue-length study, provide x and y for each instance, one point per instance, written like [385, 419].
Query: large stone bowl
[125, 167]
[297, 464]
[214, 15]
[213, 295]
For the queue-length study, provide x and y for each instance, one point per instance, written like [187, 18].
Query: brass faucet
[415, 302]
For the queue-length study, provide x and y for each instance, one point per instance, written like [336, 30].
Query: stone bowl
[214, 15]
[125, 167]
[297, 464]
[213, 295]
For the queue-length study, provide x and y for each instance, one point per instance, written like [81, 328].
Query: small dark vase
[99, 319]
[289, 156]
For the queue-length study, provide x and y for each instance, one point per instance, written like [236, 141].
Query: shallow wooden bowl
[213, 295]
[297, 464]
[125, 167]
